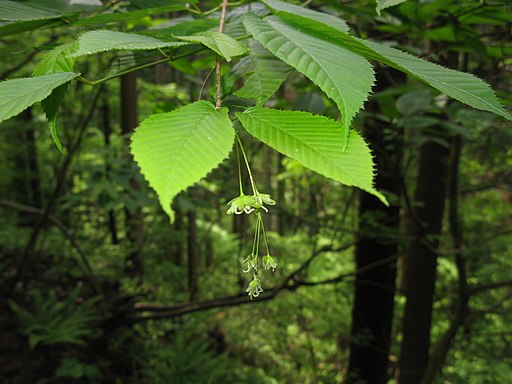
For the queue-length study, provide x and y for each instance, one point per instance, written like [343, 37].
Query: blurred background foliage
[112, 293]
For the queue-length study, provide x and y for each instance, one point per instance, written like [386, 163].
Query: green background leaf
[280, 9]
[218, 42]
[102, 40]
[18, 94]
[266, 75]
[57, 60]
[316, 142]
[175, 150]
[17, 11]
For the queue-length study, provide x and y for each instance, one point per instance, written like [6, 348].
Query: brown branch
[488, 286]
[290, 283]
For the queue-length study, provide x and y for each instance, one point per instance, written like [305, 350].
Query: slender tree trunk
[192, 256]
[281, 219]
[107, 131]
[133, 220]
[422, 260]
[178, 227]
[459, 318]
[372, 313]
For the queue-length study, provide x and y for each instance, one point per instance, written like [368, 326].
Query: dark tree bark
[192, 256]
[107, 131]
[372, 313]
[178, 227]
[421, 259]
[461, 313]
[133, 220]
[281, 186]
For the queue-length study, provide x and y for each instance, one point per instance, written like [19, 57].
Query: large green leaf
[218, 42]
[266, 75]
[461, 86]
[17, 11]
[344, 76]
[102, 40]
[18, 94]
[278, 8]
[314, 141]
[57, 60]
[175, 150]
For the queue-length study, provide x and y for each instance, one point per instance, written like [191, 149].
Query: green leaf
[265, 77]
[18, 94]
[102, 40]
[175, 150]
[464, 87]
[16, 11]
[314, 141]
[281, 9]
[186, 27]
[461, 86]
[218, 42]
[57, 60]
[383, 4]
[344, 76]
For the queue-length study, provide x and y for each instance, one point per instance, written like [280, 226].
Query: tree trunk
[107, 131]
[422, 260]
[192, 257]
[372, 313]
[459, 318]
[133, 220]
[281, 186]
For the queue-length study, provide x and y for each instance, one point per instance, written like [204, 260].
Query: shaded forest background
[97, 286]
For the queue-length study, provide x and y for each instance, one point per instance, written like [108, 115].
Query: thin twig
[204, 83]
[218, 103]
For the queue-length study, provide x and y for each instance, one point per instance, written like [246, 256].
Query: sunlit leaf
[315, 142]
[175, 150]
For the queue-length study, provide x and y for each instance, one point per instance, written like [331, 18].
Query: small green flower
[254, 289]
[248, 204]
[241, 204]
[269, 262]
[265, 197]
[260, 198]
[252, 263]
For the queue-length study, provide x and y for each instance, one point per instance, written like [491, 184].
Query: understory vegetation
[255, 192]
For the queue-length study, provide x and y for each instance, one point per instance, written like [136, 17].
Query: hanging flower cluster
[248, 204]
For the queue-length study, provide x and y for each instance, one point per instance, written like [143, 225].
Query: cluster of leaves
[316, 44]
